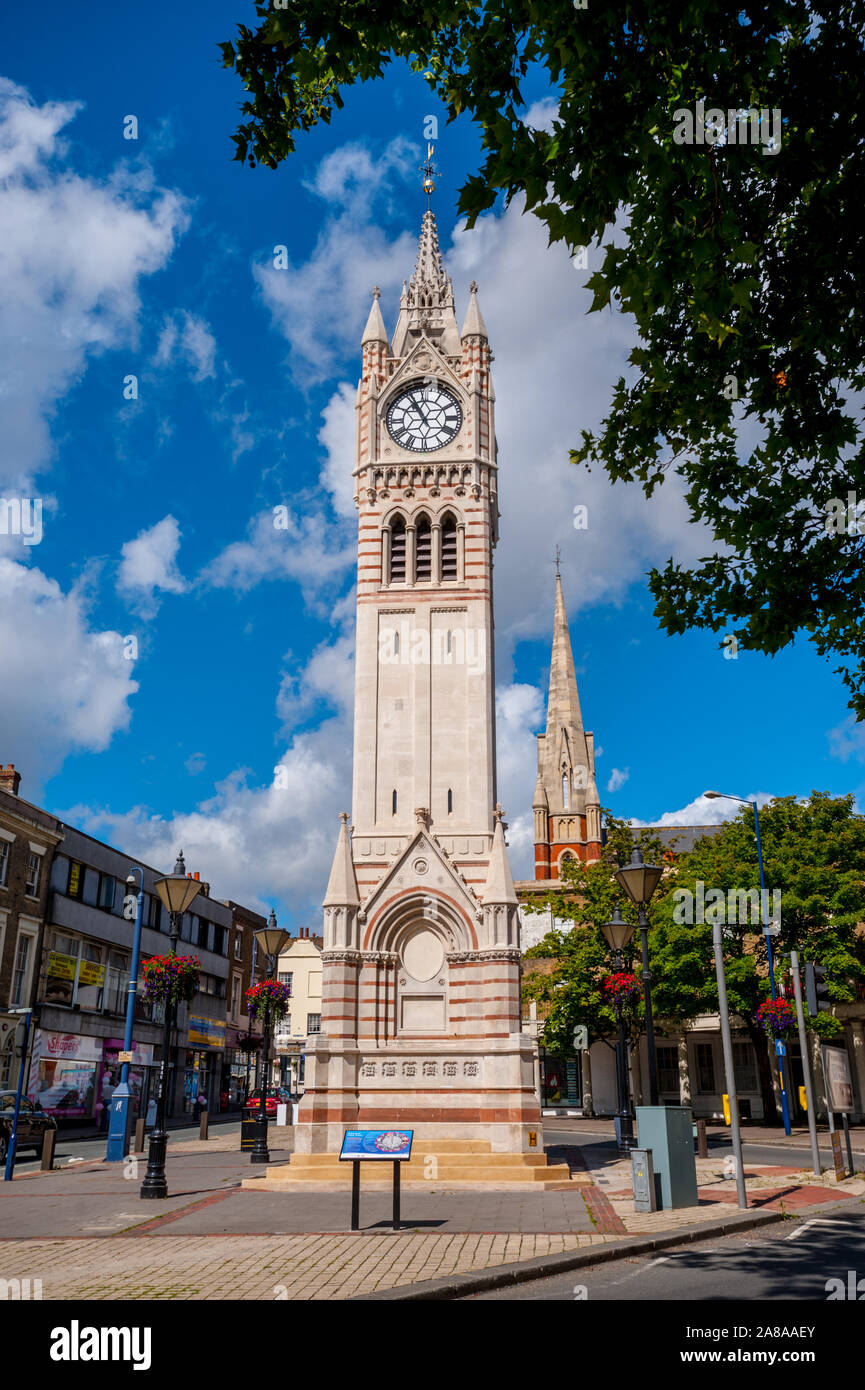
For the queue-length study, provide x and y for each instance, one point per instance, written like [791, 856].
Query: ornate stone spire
[427, 303]
[474, 325]
[375, 331]
[342, 884]
[499, 887]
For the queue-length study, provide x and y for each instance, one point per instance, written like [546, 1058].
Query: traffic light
[816, 988]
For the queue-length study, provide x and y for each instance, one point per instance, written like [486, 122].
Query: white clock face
[424, 417]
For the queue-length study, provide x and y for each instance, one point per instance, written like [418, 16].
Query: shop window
[34, 866]
[21, 968]
[705, 1067]
[745, 1067]
[668, 1070]
[76, 879]
[107, 890]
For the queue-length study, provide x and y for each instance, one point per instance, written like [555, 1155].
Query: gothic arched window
[565, 790]
[397, 551]
[450, 801]
[449, 548]
[393, 804]
[423, 553]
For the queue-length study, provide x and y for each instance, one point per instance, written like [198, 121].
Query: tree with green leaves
[712, 158]
[586, 896]
[813, 853]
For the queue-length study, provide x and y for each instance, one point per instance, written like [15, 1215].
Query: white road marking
[815, 1221]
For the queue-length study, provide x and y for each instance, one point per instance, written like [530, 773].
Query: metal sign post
[806, 1064]
[375, 1145]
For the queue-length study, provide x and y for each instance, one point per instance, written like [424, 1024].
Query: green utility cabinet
[668, 1131]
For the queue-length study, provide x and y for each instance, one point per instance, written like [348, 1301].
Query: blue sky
[153, 258]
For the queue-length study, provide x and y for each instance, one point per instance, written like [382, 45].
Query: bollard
[140, 1126]
[202, 1130]
[702, 1140]
[48, 1142]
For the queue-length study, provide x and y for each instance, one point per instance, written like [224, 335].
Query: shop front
[561, 1079]
[204, 1053]
[238, 1067]
[141, 1078]
[65, 1073]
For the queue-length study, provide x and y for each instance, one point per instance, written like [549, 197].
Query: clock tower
[421, 1012]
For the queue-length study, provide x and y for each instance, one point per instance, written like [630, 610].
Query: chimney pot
[10, 780]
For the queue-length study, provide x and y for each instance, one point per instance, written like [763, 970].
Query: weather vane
[430, 173]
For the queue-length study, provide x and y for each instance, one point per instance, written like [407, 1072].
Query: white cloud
[63, 686]
[706, 811]
[195, 763]
[847, 740]
[149, 565]
[320, 307]
[519, 716]
[191, 338]
[307, 547]
[618, 778]
[73, 251]
[541, 114]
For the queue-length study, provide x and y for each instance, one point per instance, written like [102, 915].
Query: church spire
[427, 304]
[563, 707]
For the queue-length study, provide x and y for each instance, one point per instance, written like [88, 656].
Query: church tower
[421, 1013]
[566, 806]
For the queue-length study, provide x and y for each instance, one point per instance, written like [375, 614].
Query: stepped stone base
[457, 1164]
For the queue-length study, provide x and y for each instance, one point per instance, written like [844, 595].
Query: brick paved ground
[85, 1232]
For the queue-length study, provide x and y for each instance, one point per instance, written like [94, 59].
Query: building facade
[421, 963]
[300, 968]
[28, 839]
[689, 1060]
[243, 1038]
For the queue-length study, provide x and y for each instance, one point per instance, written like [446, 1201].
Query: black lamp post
[617, 935]
[639, 881]
[272, 939]
[177, 891]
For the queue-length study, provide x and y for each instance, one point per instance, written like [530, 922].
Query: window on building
[393, 804]
[4, 863]
[705, 1067]
[450, 801]
[238, 946]
[107, 889]
[313, 1023]
[449, 548]
[668, 1069]
[235, 996]
[223, 940]
[153, 911]
[76, 879]
[423, 549]
[397, 551]
[90, 891]
[21, 969]
[565, 790]
[285, 978]
[745, 1066]
[116, 983]
[34, 866]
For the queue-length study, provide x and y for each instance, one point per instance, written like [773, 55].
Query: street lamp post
[272, 939]
[617, 935]
[764, 912]
[639, 881]
[177, 892]
[118, 1125]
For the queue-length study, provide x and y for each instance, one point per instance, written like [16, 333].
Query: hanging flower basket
[270, 995]
[622, 987]
[776, 1018]
[170, 977]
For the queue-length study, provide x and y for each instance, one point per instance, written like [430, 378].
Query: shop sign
[206, 1032]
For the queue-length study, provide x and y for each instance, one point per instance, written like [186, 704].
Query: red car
[276, 1095]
